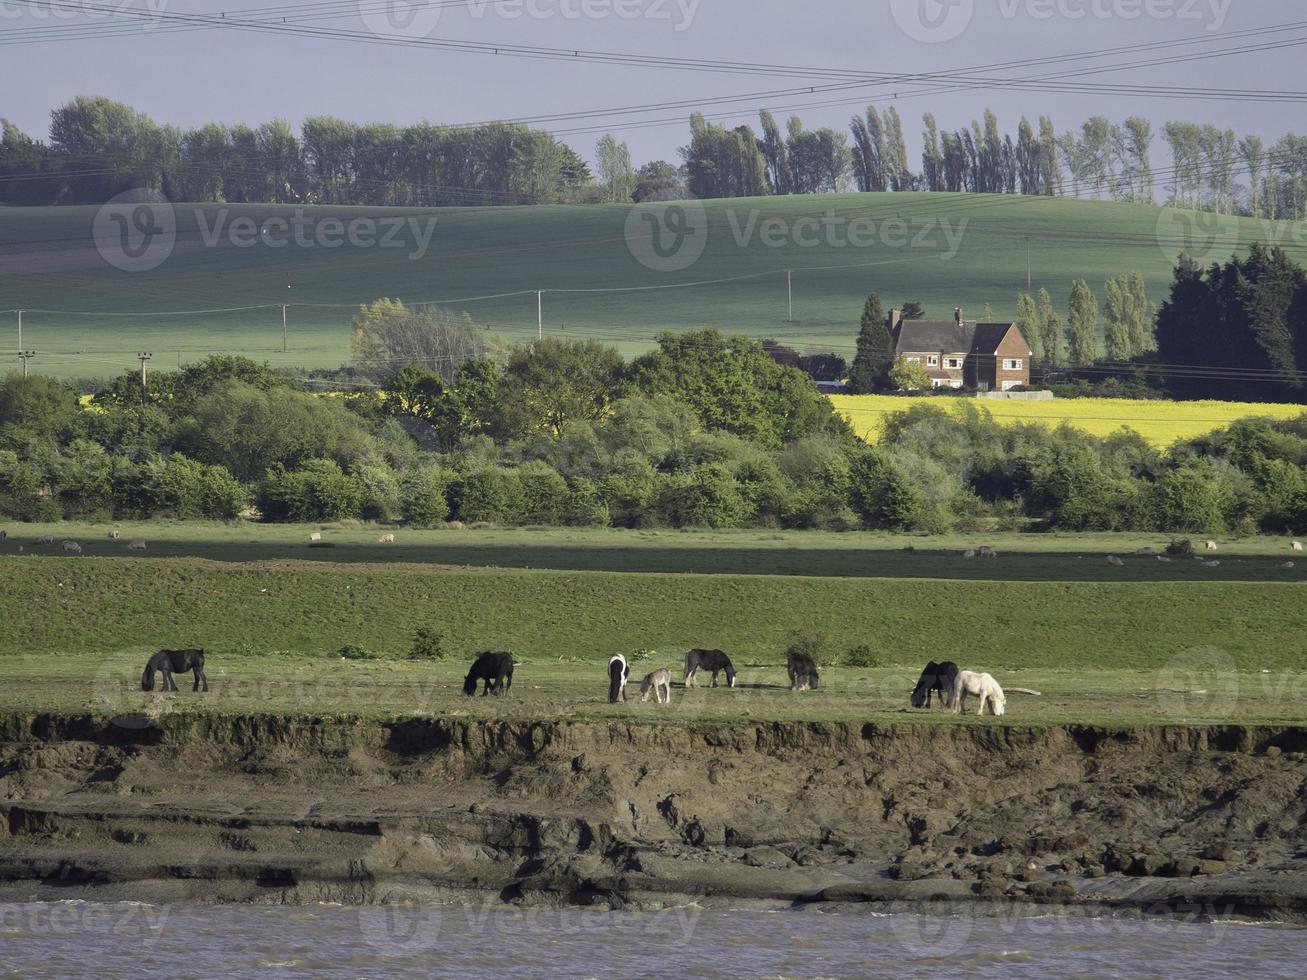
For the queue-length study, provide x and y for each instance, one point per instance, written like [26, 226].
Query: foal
[660, 684]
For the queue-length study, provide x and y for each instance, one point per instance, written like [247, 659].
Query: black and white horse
[803, 671]
[496, 669]
[710, 660]
[618, 672]
[169, 662]
[935, 679]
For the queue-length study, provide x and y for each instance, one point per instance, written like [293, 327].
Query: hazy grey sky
[195, 76]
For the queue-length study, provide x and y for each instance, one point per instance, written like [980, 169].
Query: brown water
[129, 940]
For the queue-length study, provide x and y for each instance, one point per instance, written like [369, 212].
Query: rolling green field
[954, 249]
[1150, 642]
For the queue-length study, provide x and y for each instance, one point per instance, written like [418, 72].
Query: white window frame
[1012, 364]
[932, 360]
[953, 363]
[914, 360]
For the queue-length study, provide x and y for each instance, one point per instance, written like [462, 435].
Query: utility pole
[1028, 283]
[25, 356]
[789, 289]
[20, 329]
[143, 357]
[283, 328]
[540, 314]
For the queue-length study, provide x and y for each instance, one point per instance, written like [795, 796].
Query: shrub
[318, 491]
[814, 645]
[352, 652]
[422, 497]
[427, 645]
[860, 655]
[487, 496]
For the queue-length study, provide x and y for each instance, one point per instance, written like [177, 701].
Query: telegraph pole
[283, 328]
[25, 356]
[1028, 282]
[20, 329]
[540, 314]
[143, 357]
[789, 289]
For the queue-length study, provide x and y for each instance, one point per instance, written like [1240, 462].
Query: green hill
[942, 250]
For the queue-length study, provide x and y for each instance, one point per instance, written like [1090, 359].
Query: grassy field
[1147, 642]
[1069, 557]
[1162, 423]
[1201, 689]
[958, 249]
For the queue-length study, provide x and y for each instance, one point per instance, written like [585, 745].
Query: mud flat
[299, 809]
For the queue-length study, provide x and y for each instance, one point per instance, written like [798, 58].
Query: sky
[187, 75]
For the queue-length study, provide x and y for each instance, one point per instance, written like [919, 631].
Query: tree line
[98, 148]
[705, 430]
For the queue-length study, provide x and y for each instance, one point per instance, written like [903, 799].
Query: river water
[132, 940]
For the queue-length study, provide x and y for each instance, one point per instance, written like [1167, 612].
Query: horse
[936, 677]
[711, 660]
[618, 672]
[982, 686]
[803, 671]
[171, 662]
[660, 684]
[496, 669]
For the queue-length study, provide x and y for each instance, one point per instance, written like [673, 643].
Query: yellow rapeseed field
[1162, 423]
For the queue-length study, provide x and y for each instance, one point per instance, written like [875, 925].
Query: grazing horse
[170, 662]
[803, 671]
[711, 660]
[982, 686]
[936, 677]
[618, 672]
[660, 684]
[496, 669]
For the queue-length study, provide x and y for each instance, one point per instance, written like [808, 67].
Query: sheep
[113, 535]
[1296, 546]
[386, 539]
[73, 547]
[1289, 564]
[987, 552]
[1162, 558]
[969, 553]
[136, 546]
[1211, 564]
[1113, 560]
[45, 539]
[1211, 546]
[315, 537]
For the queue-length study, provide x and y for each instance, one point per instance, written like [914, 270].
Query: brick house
[961, 353]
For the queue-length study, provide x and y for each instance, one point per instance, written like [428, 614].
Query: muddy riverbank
[292, 810]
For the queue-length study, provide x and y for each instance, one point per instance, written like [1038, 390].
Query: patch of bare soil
[262, 809]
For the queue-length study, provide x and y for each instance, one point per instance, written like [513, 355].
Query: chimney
[957, 316]
[894, 319]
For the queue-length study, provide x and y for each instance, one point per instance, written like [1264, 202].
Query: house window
[914, 360]
[932, 360]
[1012, 364]
[953, 363]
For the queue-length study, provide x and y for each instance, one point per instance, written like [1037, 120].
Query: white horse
[982, 686]
[660, 684]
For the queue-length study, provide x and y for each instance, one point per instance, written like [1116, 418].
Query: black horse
[935, 678]
[803, 671]
[496, 669]
[713, 661]
[171, 662]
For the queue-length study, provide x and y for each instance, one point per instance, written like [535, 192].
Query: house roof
[949, 336]
[934, 335]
